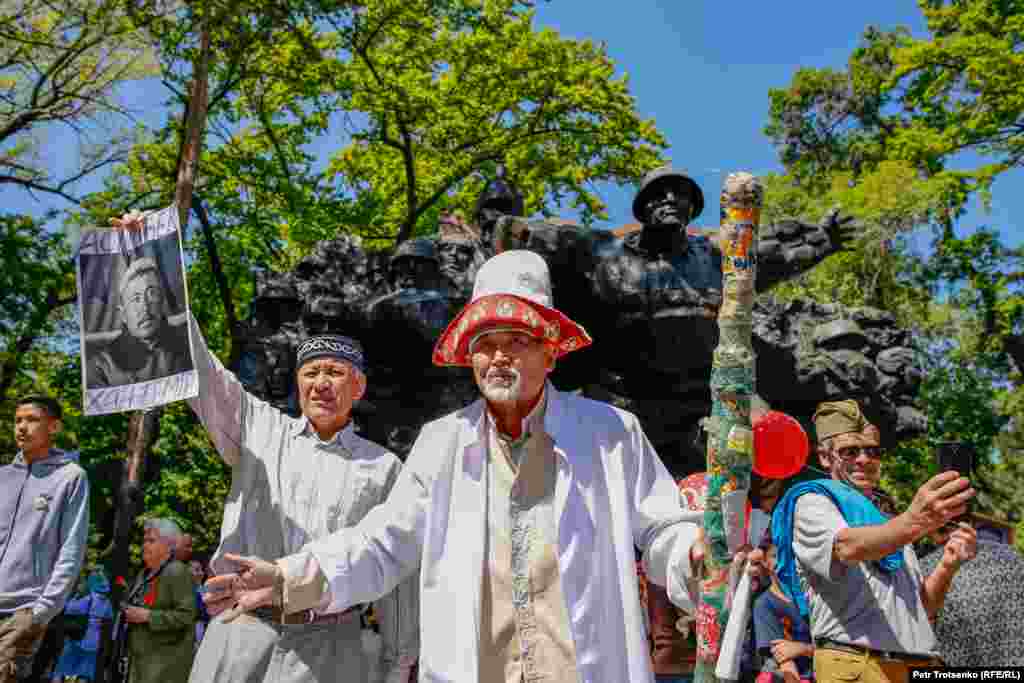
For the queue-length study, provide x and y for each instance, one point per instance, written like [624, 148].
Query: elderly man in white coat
[521, 511]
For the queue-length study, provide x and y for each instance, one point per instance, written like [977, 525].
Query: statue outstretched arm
[790, 247]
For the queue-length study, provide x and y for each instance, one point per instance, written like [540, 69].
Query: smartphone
[957, 456]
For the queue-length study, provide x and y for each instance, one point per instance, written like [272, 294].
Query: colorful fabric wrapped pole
[730, 438]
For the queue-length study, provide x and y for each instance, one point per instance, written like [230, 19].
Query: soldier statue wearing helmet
[414, 263]
[498, 198]
[650, 300]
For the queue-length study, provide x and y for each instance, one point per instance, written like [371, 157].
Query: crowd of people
[503, 549]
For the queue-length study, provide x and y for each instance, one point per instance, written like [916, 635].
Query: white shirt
[289, 488]
[611, 492]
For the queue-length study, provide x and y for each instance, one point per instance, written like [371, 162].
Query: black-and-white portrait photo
[133, 302]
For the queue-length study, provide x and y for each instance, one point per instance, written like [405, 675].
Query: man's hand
[248, 600]
[219, 593]
[961, 546]
[841, 230]
[254, 572]
[136, 615]
[697, 553]
[940, 500]
[243, 591]
[133, 220]
[786, 650]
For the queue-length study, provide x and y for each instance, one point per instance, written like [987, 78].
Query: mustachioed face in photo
[142, 305]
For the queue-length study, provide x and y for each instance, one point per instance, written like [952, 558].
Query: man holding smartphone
[851, 568]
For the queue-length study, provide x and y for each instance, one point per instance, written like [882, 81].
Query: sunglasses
[851, 452]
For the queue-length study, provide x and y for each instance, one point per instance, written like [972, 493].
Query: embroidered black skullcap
[331, 346]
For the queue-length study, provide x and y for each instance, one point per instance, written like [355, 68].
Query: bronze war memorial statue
[648, 296]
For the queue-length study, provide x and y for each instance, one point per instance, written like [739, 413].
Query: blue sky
[701, 69]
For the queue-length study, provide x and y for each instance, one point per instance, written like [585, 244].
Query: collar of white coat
[529, 423]
[345, 436]
[559, 423]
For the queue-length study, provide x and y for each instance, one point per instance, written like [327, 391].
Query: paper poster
[133, 315]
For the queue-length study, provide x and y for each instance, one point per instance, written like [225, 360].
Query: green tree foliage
[36, 283]
[964, 85]
[446, 98]
[884, 138]
[329, 117]
[375, 120]
[61, 62]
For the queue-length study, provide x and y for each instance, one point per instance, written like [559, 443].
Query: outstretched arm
[354, 565]
[358, 564]
[788, 248]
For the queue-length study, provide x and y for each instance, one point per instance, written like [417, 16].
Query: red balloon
[780, 446]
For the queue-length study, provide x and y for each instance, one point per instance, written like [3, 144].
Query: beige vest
[524, 625]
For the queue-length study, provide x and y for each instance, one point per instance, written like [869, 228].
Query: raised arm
[788, 248]
[222, 400]
[961, 547]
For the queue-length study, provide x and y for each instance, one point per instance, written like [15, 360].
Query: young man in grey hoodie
[44, 526]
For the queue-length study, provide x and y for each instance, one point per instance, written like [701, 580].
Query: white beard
[496, 390]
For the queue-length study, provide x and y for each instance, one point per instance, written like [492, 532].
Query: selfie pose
[869, 605]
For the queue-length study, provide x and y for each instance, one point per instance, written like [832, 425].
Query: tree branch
[218, 274]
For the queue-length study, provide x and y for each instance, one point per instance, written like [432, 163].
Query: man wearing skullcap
[522, 512]
[148, 346]
[852, 569]
[294, 481]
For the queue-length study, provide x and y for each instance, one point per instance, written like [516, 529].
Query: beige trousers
[19, 641]
[839, 666]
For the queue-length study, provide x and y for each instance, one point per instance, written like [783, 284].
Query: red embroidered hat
[512, 291]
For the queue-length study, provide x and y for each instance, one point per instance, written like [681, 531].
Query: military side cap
[838, 417]
[137, 267]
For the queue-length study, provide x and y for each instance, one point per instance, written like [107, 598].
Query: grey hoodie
[44, 528]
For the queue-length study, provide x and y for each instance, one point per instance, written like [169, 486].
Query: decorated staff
[730, 438]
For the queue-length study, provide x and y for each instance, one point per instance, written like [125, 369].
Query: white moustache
[501, 386]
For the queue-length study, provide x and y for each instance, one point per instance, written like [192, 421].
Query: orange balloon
[781, 446]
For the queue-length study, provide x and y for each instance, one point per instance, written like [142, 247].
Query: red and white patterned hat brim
[507, 311]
